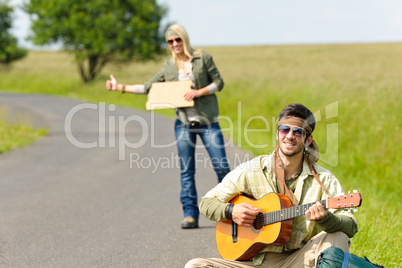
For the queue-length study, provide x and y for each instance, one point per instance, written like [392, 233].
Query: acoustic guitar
[272, 226]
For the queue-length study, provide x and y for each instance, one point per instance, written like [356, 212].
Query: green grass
[17, 134]
[354, 90]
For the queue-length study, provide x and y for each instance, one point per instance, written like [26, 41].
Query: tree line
[9, 50]
[97, 32]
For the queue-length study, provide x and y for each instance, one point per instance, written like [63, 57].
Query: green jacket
[205, 73]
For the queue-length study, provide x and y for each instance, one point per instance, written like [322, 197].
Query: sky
[273, 22]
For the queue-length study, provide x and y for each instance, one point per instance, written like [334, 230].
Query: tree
[9, 50]
[99, 31]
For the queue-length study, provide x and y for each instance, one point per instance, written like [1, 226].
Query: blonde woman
[202, 119]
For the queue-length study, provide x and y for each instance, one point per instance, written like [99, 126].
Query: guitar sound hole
[259, 221]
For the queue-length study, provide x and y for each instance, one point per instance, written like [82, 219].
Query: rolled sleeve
[212, 88]
[139, 89]
[213, 72]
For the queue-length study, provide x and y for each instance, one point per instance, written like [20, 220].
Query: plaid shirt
[256, 178]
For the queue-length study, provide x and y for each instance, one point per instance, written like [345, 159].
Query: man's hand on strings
[244, 214]
[316, 212]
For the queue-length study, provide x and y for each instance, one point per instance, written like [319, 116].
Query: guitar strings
[284, 214]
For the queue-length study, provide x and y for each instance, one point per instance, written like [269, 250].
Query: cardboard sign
[167, 95]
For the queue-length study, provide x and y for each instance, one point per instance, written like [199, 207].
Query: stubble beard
[294, 153]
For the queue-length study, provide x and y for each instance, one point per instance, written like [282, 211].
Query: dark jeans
[186, 137]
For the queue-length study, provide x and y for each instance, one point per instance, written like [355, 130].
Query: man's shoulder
[325, 175]
[323, 171]
[256, 163]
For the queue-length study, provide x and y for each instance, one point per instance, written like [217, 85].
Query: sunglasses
[297, 131]
[170, 42]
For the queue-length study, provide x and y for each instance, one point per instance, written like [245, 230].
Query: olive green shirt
[205, 73]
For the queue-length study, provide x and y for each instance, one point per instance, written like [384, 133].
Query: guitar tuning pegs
[355, 210]
[355, 191]
[349, 192]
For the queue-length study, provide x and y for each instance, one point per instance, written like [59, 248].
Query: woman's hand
[192, 93]
[111, 84]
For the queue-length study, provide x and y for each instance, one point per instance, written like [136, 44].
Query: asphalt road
[100, 190]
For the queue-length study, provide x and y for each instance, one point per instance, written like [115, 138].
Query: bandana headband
[171, 33]
[295, 121]
[312, 151]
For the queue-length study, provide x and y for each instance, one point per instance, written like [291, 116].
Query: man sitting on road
[290, 170]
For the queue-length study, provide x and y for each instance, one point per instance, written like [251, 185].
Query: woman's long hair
[188, 50]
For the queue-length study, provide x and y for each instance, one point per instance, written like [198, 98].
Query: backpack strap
[346, 257]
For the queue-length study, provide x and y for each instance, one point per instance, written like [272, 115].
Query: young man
[290, 170]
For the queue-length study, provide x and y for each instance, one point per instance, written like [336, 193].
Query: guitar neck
[289, 213]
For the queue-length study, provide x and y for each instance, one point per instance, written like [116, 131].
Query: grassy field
[16, 134]
[355, 91]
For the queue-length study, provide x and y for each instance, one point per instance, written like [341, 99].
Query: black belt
[194, 124]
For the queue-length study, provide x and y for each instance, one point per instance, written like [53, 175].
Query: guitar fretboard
[289, 213]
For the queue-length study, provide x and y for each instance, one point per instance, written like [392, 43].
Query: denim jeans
[186, 137]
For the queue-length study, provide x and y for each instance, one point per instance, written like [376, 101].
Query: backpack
[334, 257]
